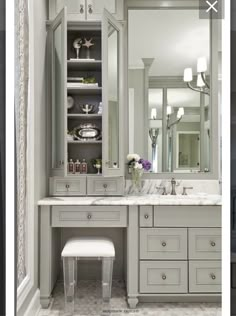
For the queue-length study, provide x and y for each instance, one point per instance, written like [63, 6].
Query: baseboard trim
[34, 306]
[179, 298]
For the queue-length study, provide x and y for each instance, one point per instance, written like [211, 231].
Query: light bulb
[188, 75]
[201, 64]
[178, 114]
[153, 114]
[168, 110]
[181, 111]
[200, 82]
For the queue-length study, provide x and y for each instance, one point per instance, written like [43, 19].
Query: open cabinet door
[58, 38]
[112, 97]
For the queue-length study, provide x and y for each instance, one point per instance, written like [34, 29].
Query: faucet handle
[186, 188]
[173, 181]
[163, 188]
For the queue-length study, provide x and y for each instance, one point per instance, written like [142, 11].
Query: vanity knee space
[174, 259]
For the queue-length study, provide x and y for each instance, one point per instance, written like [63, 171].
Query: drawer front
[204, 276]
[187, 216]
[145, 216]
[163, 243]
[163, 277]
[89, 216]
[204, 243]
[105, 186]
[68, 186]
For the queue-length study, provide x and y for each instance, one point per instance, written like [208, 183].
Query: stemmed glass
[98, 167]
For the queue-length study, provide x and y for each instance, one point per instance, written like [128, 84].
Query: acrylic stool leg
[107, 269]
[69, 283]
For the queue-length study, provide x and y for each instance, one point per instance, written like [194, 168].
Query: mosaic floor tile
[88, 302]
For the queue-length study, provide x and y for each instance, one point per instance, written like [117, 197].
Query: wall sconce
[179, 116]
[202, 85]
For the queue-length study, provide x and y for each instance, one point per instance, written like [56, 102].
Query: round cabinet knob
[213, 243]
[163, 277]
[67, 186]
[213, 276]
[105, 185]
[146, 216]
[163, 244]
[89, 216]
[90, 10]
[81, 9]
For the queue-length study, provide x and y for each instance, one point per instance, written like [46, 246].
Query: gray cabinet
[105, 186]
[89, 216]
[72, 126]
[57, 35]
[67, 186]
[86, 10]
[179, 251]
[204, 276]
[163, 277]
[163, 243]
[204, 243]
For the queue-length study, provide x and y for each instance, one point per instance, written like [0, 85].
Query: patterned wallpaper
[21, 98]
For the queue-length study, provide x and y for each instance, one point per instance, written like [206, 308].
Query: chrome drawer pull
[81, 9]
[67, 187]
[105, 185]
[90, 10]
[212, 275]
[163, 244]
[163, 277]
[89, 216]
[146, 216]
[213, 243]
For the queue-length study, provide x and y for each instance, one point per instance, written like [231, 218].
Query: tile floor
[88, 302]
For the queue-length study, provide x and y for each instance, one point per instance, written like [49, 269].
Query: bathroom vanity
[172, 244]
[125, 93]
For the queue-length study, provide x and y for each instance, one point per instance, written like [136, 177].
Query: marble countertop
[146, 199]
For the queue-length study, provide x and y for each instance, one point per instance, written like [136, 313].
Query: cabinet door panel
[95, 8]
[112, 82]
[75, 8]
[58, 63]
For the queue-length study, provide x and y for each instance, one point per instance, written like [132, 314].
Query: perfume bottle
[71, 166]
[83, 166]
[77, 166]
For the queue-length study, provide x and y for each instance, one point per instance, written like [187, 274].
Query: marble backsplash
[199, 186]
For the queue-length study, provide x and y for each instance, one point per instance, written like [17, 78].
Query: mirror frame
[214, 173]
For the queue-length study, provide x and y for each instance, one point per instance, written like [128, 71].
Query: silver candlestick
[77, 45]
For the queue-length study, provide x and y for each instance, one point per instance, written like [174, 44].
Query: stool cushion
[88, 247]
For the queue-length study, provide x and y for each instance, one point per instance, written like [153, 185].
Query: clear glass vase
[136, 175]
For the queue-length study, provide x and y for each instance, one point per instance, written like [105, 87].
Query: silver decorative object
[153, 133]
[70, 102]
[77, 45]
[87, 131]
[88, 44]
[87, 108]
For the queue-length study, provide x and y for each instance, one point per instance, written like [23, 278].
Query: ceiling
[175, 38]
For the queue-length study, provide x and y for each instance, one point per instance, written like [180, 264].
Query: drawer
[187, 216]
[163, 277]
[68, 186]
[105, 186]
[204, 243]
[163, 243]
[145, 216]
[204, 276]
[89, 216]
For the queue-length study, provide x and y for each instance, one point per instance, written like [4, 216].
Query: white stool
[84, 248]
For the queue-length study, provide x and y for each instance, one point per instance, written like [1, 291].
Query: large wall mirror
[169, 123]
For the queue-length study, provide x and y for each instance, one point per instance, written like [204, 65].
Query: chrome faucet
[173, 185]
